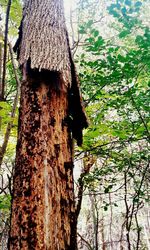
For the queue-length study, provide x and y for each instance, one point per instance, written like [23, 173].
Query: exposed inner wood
[43, 197]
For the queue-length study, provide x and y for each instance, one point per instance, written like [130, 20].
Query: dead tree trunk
[51, 114]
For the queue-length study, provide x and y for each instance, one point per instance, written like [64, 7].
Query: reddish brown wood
[43, 198]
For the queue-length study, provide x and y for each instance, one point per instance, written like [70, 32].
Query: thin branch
[12, 116]
[141, 117]
[127, 212]
[138, 232]
[86, 242]
[99, 147]
[5, 49]
[85, 171]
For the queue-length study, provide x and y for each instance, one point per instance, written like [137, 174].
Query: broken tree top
[43, 37]
[43, 41]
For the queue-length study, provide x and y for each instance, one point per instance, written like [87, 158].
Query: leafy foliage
[114, 74]
[5, 202]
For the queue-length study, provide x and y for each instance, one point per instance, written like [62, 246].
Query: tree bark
[43, 210]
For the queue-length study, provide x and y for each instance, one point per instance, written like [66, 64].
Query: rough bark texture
[51, 113]
[44, 39]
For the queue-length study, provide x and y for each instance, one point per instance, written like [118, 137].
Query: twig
[141, 117]
[86, 242]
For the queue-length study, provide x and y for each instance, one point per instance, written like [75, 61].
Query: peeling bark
[43, 38]
[43, 210]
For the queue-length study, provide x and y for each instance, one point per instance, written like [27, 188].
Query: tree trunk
[43, 210]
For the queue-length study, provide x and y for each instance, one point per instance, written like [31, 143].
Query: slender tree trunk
[104, 246]
[111, 222]
[103, 235]
[13, 112]
[5, 49]
[146, 228]
[95, 220]
[88, 163]
[43, 211]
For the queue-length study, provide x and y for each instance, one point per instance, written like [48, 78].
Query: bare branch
[5, 49]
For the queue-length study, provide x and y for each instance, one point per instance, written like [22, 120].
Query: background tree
[8, 113]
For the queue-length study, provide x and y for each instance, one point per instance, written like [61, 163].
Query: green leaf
[118, 6]
[89, 23]
[5, 202]
[124, 11]
[107, 189]
[106, 208]
[99, 42]
[137, 9]
[115, 204]
[122, 58]
[82, 30]
[96, 33]
[124, 33]
[138, 4]
[128, 2]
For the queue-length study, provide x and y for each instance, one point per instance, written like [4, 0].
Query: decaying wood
[51, 113]
[43, 200]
